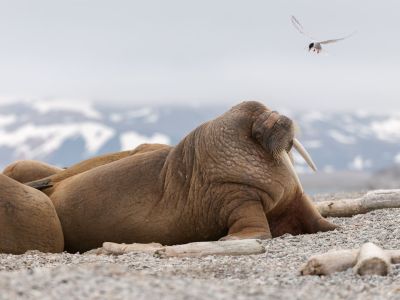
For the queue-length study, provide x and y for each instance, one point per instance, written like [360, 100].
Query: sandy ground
[274, 274]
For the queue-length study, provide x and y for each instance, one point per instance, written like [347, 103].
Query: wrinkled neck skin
[220, 165]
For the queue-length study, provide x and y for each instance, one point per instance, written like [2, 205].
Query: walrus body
[46, 182]
[223, 180]
[30, 170]
[28, 220]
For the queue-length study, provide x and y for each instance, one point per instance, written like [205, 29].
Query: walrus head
[252, 144]
[275, 133]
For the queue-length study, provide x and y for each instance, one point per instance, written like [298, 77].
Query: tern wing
[335, 40]
[299, 27]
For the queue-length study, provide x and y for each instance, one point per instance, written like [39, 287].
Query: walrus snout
[274, 132]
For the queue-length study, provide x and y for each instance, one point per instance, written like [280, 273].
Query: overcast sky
[208, 51]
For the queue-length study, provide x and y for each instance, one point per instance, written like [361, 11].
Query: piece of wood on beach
[110, 248]
[372, 260]
[394, 256]
[330, 262]
[378, 199]
[119, 249]
[369, 259]
[198, 249]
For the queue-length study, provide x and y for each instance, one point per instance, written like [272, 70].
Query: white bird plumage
[315, 45]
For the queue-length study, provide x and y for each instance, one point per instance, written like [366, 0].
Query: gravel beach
[274, 274]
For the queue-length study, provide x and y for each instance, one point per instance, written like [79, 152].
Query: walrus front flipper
[40, 184]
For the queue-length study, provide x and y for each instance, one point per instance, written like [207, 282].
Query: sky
[201, 52]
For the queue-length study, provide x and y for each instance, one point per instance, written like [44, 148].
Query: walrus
[45, 183]
[29, 170]
[230, 178]
[28, 220]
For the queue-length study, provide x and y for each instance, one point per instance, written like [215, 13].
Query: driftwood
[233, 247]
[365, 258]
[330, 262]
[119, 249]
[372, 200]
[372, 260]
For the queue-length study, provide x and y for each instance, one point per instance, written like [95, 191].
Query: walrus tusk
[288, 163]
[303, 152]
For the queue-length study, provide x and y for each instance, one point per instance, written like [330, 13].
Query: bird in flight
[315, 45]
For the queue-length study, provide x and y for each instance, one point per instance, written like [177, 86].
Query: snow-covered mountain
[64, 132]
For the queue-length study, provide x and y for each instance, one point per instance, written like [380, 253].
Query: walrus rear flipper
[40, 184]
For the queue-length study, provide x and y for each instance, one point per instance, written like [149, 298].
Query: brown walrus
[230, 178]
[29, 170]
[28, 220]
[45, 183]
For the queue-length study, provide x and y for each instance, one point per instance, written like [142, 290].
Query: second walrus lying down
[46, 183]
[28, 170]
[230, 178]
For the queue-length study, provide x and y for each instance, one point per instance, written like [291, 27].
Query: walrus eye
[303, 152]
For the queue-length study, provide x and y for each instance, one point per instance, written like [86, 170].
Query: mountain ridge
[65, 132]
